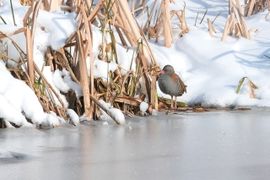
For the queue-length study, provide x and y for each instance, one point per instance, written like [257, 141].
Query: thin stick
[196, 18]
[20, 30]
[204, 16]
[29, 46]
[12, 10]
[216, 17]
[3, 20]
[34, 17]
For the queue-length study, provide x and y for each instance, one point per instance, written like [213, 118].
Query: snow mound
[19, 102]
[73, 117]
[116, 113]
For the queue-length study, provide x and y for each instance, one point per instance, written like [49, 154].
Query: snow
[143, 107]
[210, 68]
[63, 82]
[73, 116]
[59, 81]
[18, 102]
[51, 30]
[116, 113]
[101, 68]
[56, 81]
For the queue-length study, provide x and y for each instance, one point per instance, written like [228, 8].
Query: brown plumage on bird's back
[178, 80]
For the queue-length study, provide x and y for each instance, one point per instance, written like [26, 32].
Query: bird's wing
[179, 81]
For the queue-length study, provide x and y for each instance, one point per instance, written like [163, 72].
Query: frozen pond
[190, 146]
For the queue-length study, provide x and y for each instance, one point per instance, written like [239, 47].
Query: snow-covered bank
[212, 68]
[18, 100]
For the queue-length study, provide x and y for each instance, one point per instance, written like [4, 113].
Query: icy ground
[190, 146]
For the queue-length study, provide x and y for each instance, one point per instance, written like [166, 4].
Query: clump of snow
[53, 80]
[144, 106]
[105, 123]
[102, 68]
[63, 82]
[59, 82]
[73, 117]
[51, 120]
[124, 56]
[116, 113]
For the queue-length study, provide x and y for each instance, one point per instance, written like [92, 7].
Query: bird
[170, 83]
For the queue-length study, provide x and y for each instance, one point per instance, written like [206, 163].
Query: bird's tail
[183, 86]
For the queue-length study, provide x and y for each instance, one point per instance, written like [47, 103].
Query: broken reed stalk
[211, 28]
[94, 12]
[250, 5]
[182, 19]
[86, 51]
[235, 24]
[166, 21]
[251, 87]
[54, 5]
[84, 77]
[36, 7]
[255, 6]
[29, 49]
[29, 34]
[150, 16]
[3, 35]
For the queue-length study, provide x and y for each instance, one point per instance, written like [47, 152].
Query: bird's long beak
[161, 72]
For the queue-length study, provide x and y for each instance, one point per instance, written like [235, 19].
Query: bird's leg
[175, 103]
[171, 102]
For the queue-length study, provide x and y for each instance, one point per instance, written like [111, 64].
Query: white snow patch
[144, 106]
[117, 113]
[50, 78]
[73, 116]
